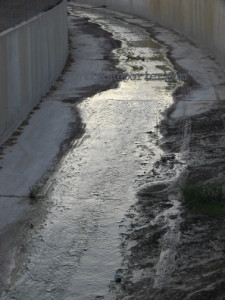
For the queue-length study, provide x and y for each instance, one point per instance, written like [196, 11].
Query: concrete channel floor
[25, 162]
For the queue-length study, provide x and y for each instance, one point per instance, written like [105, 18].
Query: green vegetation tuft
[207, 199]
[137, 68]
[33, 192]
[131, 57]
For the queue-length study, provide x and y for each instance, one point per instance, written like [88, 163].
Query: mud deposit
[177, 254]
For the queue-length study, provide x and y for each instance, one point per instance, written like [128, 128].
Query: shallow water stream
[76, 252]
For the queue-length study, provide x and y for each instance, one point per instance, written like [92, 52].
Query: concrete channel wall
[32, 55]
[202, 21]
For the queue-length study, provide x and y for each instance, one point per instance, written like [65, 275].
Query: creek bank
[197, 250]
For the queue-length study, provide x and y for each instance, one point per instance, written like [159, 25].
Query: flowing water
[76, 252]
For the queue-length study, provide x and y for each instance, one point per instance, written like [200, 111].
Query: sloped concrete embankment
[32, 55]
[202, 21]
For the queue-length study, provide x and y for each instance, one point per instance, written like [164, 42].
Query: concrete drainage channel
[97, 231]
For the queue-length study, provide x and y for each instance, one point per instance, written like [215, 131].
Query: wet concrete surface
[112, 205]
[30, 156]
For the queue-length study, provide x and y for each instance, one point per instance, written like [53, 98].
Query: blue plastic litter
[117, 278]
